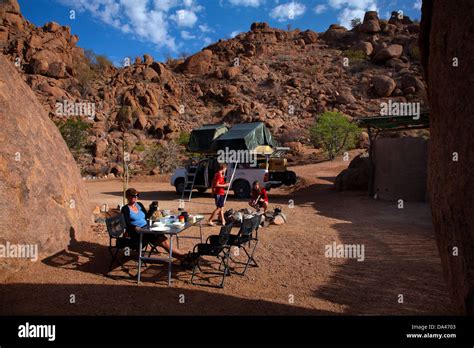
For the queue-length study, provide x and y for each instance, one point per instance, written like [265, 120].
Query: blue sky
[163, 28]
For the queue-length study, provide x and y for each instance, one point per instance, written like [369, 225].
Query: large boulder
[147, 59]
[47, 62]
[383, 85]
[392, 51]
[409, 80]
[198, 64]
[345, 96]
[259, 26]
[44, 201]
[371, 23]
[309, 37]
[355, 177]
[10, 6]
[451, 96]
[363, 46]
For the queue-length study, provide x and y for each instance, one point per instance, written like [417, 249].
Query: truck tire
[241, 189]
[179, 185]
[290, 178]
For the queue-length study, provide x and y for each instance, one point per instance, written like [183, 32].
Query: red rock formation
[446, 34]
[43, 196]
[256, 76]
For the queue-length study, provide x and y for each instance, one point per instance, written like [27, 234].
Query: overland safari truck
[210, 141]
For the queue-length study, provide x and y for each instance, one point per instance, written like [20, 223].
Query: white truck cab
[241, 183]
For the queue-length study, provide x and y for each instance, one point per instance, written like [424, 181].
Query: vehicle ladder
[189, 180]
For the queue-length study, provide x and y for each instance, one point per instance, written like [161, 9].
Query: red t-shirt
[262, 194]
[218, 179]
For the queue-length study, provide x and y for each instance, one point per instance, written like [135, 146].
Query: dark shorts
[219, 200]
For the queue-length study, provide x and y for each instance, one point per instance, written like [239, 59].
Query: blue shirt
[137, 218]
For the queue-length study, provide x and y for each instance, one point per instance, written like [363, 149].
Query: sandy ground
[293, 277]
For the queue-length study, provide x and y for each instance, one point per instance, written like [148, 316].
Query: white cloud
[351, 9]
[337, 4]
[164, 5]
[184, 18]
[234, 33]
[205, 28]
[287, 11]
[247, 3]
[417, 4]
[320, 8]
[186, 35]
[147, 20]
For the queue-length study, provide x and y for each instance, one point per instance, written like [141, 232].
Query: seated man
[259, 197]
[135, 216]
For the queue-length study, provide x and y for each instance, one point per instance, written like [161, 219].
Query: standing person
[218, 189]
[259, 197]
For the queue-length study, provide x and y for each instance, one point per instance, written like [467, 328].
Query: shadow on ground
[401, 257]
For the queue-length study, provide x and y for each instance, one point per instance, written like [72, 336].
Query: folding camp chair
[216, 245]
[116, 227]
[248, 235]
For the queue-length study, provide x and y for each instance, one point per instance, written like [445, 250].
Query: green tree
[74, 132]
[334, 133]
[355, 22]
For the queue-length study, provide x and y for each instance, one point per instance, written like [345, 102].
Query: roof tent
[245, 136]
[201, 139]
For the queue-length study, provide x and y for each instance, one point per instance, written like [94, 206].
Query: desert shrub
[102, 62]
[126, 116]
[139, 147]
[355, 22]
[96, 62]
[284, 58]
[172, 63]
[334, 133]
[355, 55]
[183, 139]
[359, 66]
[415, 52]
[84, 74]
[165, 157]
[74, 132]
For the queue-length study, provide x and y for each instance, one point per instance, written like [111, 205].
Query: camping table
[174, 231]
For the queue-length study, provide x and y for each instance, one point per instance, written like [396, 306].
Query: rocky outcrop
[44, 200]
[444, 37]
[281, 77]
[198, 64]
[371, 23]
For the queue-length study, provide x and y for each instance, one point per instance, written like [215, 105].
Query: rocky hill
[283, 78]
